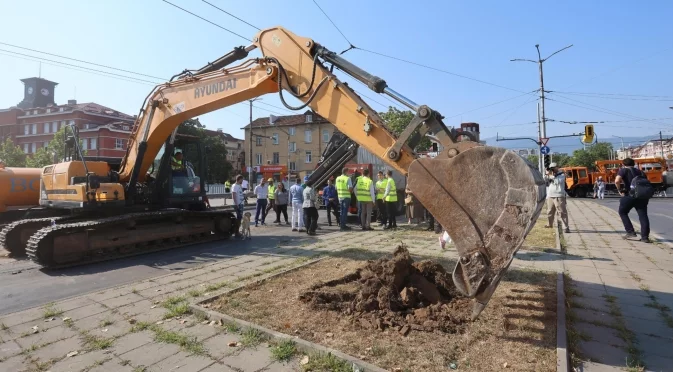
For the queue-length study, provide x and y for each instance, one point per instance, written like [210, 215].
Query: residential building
[32, 123]
[651, 149]
[287, 144]
[234, 146]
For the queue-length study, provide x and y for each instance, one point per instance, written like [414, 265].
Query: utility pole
[250, 165]
[540, 160]
[540, 61]
[661, 145]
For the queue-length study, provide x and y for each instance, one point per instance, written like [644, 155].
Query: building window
[26, 129]
[61, 109]
[325, 135]
[276, 157]
[119, 144]
[85, 143]
[33, 129]
[71, 122]
[48, 110]
[34, 112]
[26, 148]
[259, 159]
[308, 136]
[33, 147]
[309, 118]
[275, 138]
[293, 166]
[27, 113]
[45, 144]
[309, 157]
[47, 126]
[54, 126]
[92, 143]
[292, 131]
[258, 141]
[293, 146]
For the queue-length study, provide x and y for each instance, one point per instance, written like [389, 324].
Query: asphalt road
[23, 284]
[660, 211]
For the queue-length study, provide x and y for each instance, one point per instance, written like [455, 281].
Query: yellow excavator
[487, 198]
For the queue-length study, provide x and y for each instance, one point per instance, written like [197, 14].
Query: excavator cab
[179, 173]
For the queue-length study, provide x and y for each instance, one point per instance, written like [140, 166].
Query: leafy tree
[588, 157]
[11, 154]
[41, 158]
[219, 169]
[398, 120]
[533, 159]
[561, 160]
[55, 151]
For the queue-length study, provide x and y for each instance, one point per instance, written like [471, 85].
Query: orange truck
[580, 180]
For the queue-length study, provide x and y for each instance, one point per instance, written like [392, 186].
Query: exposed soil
[518, 327]
[395, 293]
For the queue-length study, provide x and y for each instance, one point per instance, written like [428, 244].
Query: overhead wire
[612, 112]
[613, 98]
[350, 45]
[224, 11]
[206, 20]
[491, 104]
[609, 94]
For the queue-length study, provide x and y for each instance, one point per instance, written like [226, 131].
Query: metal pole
[661, 145]
[250, 165]
[540, 161]
[543, 129]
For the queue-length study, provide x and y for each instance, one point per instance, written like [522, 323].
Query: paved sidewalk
[621, 293]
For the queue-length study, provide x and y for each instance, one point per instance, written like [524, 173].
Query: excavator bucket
[487, 199]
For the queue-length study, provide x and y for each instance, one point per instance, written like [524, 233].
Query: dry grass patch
[518, 327]
[540, 237]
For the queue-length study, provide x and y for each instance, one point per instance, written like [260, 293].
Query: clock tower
[38, 92]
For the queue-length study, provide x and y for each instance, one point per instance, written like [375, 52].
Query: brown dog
[245, 226]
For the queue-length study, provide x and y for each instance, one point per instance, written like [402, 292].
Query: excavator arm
[487, 198]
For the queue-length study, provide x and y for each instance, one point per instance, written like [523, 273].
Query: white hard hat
[552, 165]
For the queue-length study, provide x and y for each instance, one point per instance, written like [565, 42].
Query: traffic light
[547, 161]
[588, 134]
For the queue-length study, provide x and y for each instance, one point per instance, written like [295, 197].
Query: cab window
[583, 173]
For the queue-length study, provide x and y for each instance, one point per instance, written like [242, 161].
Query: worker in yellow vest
[344, 187]
[272, 198]
[366, 196]
[380, 203]
[390, 197]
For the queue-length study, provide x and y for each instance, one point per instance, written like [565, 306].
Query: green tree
[55, 150]
[11, 154]
[561, 160]
[587, 157]
[398, 120]
[219, 169]
[41, 158]
[533, 159]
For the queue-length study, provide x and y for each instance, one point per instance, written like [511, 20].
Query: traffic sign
[544, 141]
[544, 150]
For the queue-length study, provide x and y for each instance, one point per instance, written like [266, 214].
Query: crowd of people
[304, 202]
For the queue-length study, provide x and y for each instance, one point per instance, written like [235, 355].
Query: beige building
[282, 143]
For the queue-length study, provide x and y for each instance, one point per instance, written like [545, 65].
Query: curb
[302, 345]
[562, 357]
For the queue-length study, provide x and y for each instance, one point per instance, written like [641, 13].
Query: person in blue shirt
[297, 199]
[331, 201]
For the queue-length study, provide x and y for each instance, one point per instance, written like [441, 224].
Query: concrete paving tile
[149, 354]
[74, 303]
[579, 264]
[135, 308]
[217, 367]
[151, 315]
[603, 335]
[182, 362]
[248, 360]
[119, 301]
[200, 331]
[113, 365]
[591, 316]
[291, 366]
[79, 362]
[614, 273]
[598, 367]
[598, 304]
[58, 349]
[132, 341]
[110, 293]
[17, 363]
[655, 345]
[84, 312]
[658, 363]
[48, 336]
[95, 321]
[640, 312]
[649, 327]
[218, 346]
[22, 317]
[8, 349]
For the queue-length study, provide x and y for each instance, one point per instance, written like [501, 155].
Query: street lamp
[250, 166]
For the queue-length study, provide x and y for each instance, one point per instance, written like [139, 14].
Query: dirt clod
[395, 293]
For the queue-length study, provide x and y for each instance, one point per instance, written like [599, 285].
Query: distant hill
[568, 144]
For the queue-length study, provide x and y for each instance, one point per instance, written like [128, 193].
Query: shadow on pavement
[554, 256]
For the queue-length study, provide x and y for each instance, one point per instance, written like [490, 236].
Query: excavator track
[14, 236]
[84, 242]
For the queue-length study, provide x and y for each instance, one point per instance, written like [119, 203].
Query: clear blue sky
[621, 47]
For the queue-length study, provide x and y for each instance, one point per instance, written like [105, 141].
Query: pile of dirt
[395, 293]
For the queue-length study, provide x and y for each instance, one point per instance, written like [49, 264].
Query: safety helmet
[269, 180]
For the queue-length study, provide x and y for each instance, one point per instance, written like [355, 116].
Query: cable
[351, 46]
[278, 107]
[614, 98]
[79, 60]
[616, 113]
[212, 23]
[513, 112]
[438, 70]
[224, 11]
[82, 67]
[492, 104]
[608, 94]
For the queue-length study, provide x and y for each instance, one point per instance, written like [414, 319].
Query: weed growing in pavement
[92, 342]
[283, 350]
[51, 311]
[252, 337]
[326, 362]
[141, 326]
[634, 359]
[42, 366]
[69, 323]
[134, 291]
[106, 322]
[574, 336]
[176, 306]
[125, 362]
[216, 286]
[140, 369]
[664, 311]
[187, 343]
[195, 293]
[232, 327]
[274, 268]
[200, 316]
[4, 327]
[636, 277]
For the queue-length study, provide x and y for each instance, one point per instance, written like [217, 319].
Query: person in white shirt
[556, 196]
[262, 193]
[297, 200]
[237, 195]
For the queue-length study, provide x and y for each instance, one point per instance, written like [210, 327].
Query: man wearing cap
[272, 198]
[556, 196]
[310, 208]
